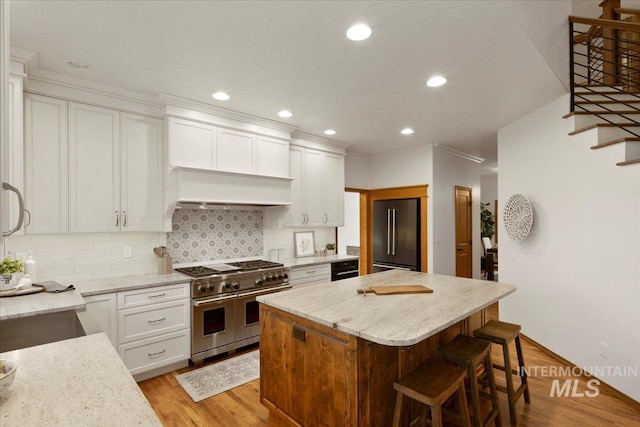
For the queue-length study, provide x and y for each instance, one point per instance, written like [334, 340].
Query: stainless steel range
[225, 313]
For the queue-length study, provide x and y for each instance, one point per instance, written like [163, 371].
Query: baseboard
[617, 393]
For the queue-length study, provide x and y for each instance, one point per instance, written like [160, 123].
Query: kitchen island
[329, 356]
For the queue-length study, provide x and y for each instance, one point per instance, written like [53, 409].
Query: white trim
[326, 142]
[459, 153]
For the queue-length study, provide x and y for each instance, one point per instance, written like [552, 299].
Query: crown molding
[459, 153]
[308, 137]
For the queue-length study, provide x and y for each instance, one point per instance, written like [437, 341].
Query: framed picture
[304, 243]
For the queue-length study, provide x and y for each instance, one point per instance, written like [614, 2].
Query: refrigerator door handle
[393, 244]
[388, 231]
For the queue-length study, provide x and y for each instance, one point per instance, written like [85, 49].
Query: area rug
[220, 377]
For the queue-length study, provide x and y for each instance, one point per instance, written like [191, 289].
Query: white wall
[357, 170]
[450, 170]
[578, 273]
[349, 234]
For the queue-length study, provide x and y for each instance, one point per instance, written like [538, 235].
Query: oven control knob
[258, 282]
[211, 287]
[225, 285]
[285, 276]
[235, 285]
[202, 288]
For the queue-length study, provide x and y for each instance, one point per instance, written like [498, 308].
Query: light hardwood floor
[241, 406]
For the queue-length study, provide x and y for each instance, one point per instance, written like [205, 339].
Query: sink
[30, 331]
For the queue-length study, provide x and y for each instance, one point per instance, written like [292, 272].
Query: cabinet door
[236, 151]
[141, 163]
[191, 144]
[94, 175]
[314, 186]
[13, 156]
[334, 190]
[294, 215]
[46, 164]
[272, 156]
[104, 309]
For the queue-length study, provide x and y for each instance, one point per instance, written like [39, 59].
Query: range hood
[213, 187]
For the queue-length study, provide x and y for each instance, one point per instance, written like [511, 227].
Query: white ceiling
[272, 55]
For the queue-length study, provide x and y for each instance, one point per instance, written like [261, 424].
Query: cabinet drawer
[141, 297]
[145, 322]
[315, 273]
[152, 353]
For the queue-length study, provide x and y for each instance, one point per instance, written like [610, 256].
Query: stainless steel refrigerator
[396, 234]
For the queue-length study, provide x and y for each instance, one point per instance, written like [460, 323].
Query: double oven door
[248, 312]
[221, 321]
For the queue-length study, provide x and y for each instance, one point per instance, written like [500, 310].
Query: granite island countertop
[77, 382]
[393, 320]
[40, 303]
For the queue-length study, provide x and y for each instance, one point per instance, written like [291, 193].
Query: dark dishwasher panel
[344, 269]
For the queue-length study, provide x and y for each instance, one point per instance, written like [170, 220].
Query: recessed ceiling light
[329, 132]
[436, 81]
[78, 65]
[221, 96]
[359, 32]
[285, 113]
[406, 131]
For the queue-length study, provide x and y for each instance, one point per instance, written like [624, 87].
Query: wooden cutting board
[396, 289]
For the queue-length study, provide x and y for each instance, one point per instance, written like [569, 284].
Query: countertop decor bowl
[7, 374]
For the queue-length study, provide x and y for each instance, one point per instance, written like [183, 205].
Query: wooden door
[463, 233]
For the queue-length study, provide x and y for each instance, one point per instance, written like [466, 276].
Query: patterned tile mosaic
[206, 235]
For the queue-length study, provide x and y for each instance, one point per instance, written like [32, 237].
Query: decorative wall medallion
[517, 217]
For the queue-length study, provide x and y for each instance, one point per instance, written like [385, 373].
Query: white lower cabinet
[150, 327]
[310, 275]
[151, 353]
[104, 309]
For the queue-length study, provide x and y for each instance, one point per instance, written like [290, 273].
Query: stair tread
[615, 141]
[609, 92]
[622, 101]
[593, 113]
[596, 125]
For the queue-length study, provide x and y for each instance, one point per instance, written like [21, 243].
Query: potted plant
[487, 221]
[7, 268]
[330, 248]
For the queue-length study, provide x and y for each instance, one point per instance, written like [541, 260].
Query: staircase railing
[605, 62]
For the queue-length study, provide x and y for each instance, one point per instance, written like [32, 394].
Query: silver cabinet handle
[117, 218]
[393, 238]
[157, 353]
[303, 219]
[311, 271]
[18, 226]
[157, 295]
[388, 231]
[124, 218]
[157, 320]
[28, 222]
[326, 218]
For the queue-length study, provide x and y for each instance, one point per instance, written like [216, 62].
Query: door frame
[469, 226]
[367, 197]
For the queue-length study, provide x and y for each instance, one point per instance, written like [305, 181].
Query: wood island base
[314, 375]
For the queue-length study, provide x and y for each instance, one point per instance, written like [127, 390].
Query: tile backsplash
[205, 235]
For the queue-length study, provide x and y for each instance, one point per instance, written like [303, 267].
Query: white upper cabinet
[317, 189]
[202, 146]
[236, 151]
[192, 144]
[101, 173]
[13, 170]
[46, 164]
[94, 175]
[272, 156]
[141, 160]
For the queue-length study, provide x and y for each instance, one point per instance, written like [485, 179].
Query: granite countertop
[40, 303]
[77, 382]
[127, 283]
[394, 320]
[316, 260]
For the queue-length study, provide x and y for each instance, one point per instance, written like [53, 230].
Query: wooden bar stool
[504, 333]
[470, 352]
[433, 383]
